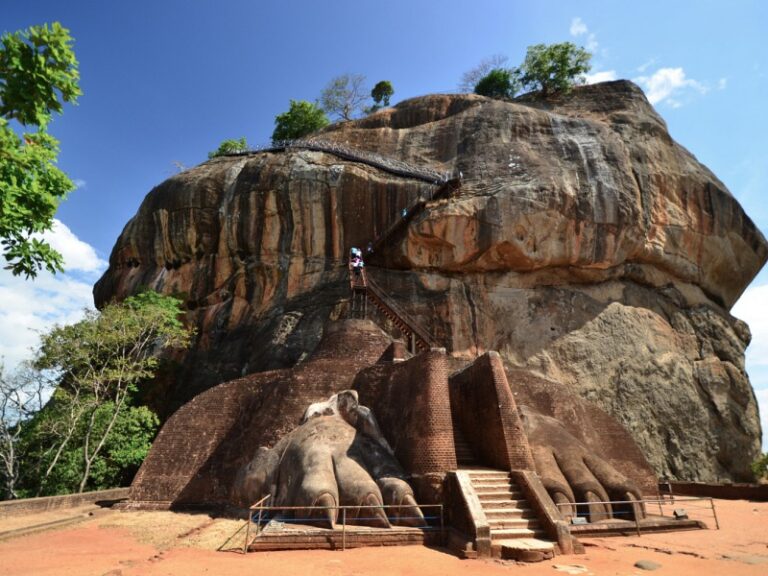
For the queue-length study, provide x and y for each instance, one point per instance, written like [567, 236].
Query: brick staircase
[515, 531]
[465, 457]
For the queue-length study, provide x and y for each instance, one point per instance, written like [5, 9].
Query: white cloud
[33, 306]
[578, 27]
[79, 183]
[665, 83]
[722, 84]
[77, 254]
[643, 67]
[752, 307]
[602, 76]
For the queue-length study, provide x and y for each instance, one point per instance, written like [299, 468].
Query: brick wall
[485, 410]
[199, 450]
[411, 402]
[46, 503]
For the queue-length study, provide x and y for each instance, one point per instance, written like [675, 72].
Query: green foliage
[498, 83]
[229, 147]
[38, 73]
[344, 96]
[760, 467]
[89, 435]
[554, 68]
[470, 78]
[301, 119]
[125, 449]
[381, 94]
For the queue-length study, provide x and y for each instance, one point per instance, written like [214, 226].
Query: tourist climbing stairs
[515, 531]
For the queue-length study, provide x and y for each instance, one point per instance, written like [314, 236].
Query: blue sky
[165, 81]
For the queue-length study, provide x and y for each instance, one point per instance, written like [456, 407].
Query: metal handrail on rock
[386, 163]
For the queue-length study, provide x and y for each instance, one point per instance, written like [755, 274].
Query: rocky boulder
[583, 244]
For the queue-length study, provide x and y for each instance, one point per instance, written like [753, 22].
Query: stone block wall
[485, 410]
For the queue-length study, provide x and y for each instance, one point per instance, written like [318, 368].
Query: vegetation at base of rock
[229, 147]
[38, 73]
[760, 467]
[381, 93]
[550, 69]
[498, 83]
[554, 67]
[301, 119]
[344, 96]
[90, 434]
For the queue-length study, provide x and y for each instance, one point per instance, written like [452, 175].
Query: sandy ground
[162, 543]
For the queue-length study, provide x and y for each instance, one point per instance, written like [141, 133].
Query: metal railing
[371, 158]
[633, 503]
[380, 298]
[264, 512]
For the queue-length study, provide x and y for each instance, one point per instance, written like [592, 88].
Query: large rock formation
[584, 245]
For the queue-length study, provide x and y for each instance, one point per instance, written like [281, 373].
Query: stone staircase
[515, 531]
[465, 457]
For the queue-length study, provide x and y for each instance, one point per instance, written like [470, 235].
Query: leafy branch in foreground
[38, 73]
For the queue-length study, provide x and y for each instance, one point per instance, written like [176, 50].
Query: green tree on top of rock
[229, 147]
[498, 83]
[554, 67]
[381, 94]
[38, 73]
[301, 119]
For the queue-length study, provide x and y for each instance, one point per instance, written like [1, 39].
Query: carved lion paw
[572, 474]
[333, 459]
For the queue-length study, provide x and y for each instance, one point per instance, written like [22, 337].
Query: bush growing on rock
[498, 83]
[301, 119]
[229, 147]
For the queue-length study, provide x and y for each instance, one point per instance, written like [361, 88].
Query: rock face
[584, 245]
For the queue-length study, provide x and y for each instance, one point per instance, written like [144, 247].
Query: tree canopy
[302, 118]
[471, 77]
[90, 435]
[549, 68]
[498, 83]
[381, 93]
[554, 67]
[38, 73]
[229, 147]
[344, 96]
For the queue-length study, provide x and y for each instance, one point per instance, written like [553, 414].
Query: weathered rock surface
[584, 244]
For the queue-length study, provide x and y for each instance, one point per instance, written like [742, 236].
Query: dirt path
[163, 543]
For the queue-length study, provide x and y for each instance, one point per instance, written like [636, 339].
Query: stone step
[495, 494]
[504, 523]
[495, 484]
[524, 549]
[505, 533]
[509, 512]
[481, 475]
